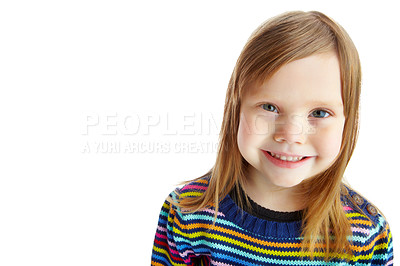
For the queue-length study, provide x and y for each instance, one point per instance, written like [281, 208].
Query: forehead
[312, 79]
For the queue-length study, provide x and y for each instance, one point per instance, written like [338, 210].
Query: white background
[76, 74]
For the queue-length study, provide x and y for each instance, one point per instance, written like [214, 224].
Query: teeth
[288, 158]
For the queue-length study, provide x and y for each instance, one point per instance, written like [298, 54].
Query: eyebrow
[336, 104]
[314, 102]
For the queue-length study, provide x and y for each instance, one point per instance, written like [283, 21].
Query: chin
[287, 184]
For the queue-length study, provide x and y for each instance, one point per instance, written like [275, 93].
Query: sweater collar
[257, 225]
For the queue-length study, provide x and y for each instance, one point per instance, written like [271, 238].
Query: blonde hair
[278, 41]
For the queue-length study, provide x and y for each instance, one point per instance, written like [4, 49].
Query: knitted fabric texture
[238, 238]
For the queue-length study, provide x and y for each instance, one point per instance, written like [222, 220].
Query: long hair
[279, 41]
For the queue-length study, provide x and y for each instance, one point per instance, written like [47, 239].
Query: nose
[290, 130]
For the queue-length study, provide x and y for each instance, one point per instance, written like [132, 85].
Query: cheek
[256, 125]
[244, 135]
[329, 141]
[251, 132]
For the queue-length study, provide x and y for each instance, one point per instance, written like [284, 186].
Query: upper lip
[286, 154]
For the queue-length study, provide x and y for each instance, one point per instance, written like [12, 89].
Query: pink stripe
[361, 230]
[390, 262]
[213, 212]
[189, 253]
[171, 244]
[193, 186]
[161, 229]
[161, 236]
[347, 208]
[186, 253]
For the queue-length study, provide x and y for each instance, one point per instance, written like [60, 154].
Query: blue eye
[269, 107]
[320, 114]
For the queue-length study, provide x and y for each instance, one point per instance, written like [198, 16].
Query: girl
[275, 195]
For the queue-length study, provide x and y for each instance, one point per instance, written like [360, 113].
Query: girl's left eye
[320, 113]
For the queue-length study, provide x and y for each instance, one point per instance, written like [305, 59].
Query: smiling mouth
[287, 158]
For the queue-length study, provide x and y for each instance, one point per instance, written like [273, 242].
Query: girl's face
[291, 126]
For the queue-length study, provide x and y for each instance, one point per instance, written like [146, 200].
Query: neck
[270, 196]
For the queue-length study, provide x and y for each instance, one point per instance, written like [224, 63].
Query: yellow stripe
[253, 248]
[351, 215]
[237, 234]
[191, 193]
[163, 251]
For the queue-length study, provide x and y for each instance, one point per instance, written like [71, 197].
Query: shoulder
[193, 188]
[368, 225]
[355, 203]
[186, 204]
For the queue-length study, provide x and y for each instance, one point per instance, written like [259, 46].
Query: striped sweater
[239, 238]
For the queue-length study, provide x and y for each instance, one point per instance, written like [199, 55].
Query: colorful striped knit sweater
[239, 238]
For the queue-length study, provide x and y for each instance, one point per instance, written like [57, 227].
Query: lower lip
[285, 164]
